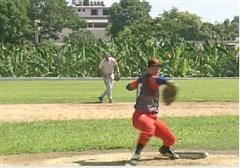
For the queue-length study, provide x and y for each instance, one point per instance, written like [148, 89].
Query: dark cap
[107, 54]
[153, 62]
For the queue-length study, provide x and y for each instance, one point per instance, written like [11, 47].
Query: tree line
[128, 18]
[135, 37]
[132, 17]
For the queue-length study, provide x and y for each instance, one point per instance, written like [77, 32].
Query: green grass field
[88, 91]
[216, 133]
[192, 132]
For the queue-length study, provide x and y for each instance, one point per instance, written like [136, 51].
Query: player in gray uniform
[107, 66]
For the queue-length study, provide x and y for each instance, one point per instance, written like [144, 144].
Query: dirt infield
[115, 158]
[39, 112]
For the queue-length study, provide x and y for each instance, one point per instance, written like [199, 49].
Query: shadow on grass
[95, 102]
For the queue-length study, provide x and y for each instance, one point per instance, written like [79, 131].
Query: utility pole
[36, 22]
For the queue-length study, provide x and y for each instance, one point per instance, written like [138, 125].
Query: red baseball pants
[149, 125]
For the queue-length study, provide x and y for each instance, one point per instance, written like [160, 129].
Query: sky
[209, 10]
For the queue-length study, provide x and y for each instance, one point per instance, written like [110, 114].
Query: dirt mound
[113, 158]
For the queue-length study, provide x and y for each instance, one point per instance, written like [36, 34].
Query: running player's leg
[110, 85]
[105, 79]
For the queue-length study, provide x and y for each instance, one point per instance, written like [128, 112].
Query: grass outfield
[88, 91]
[220, 133]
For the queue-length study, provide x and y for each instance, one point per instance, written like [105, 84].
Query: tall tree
[54, 16]
[81, 38]
[126, 13]
[235, 27]
[137, 32]
[17, 19]
[174, 24]
[14, 23]
[227, 30]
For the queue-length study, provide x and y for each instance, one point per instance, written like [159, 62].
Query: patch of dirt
[39, 112]
[114, 158]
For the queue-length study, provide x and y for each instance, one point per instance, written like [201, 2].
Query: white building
[95, 13]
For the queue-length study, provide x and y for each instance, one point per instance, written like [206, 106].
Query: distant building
[95, 13]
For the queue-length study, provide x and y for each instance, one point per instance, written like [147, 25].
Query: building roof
[90, 7]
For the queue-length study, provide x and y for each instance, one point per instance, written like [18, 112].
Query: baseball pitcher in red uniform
[146, 109]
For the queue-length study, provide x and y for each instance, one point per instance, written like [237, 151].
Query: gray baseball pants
[108, 80]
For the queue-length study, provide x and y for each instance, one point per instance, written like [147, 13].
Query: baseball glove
[117, 77]
[169, 93]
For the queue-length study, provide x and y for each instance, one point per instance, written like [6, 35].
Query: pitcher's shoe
[134, 159]
[169, 152]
